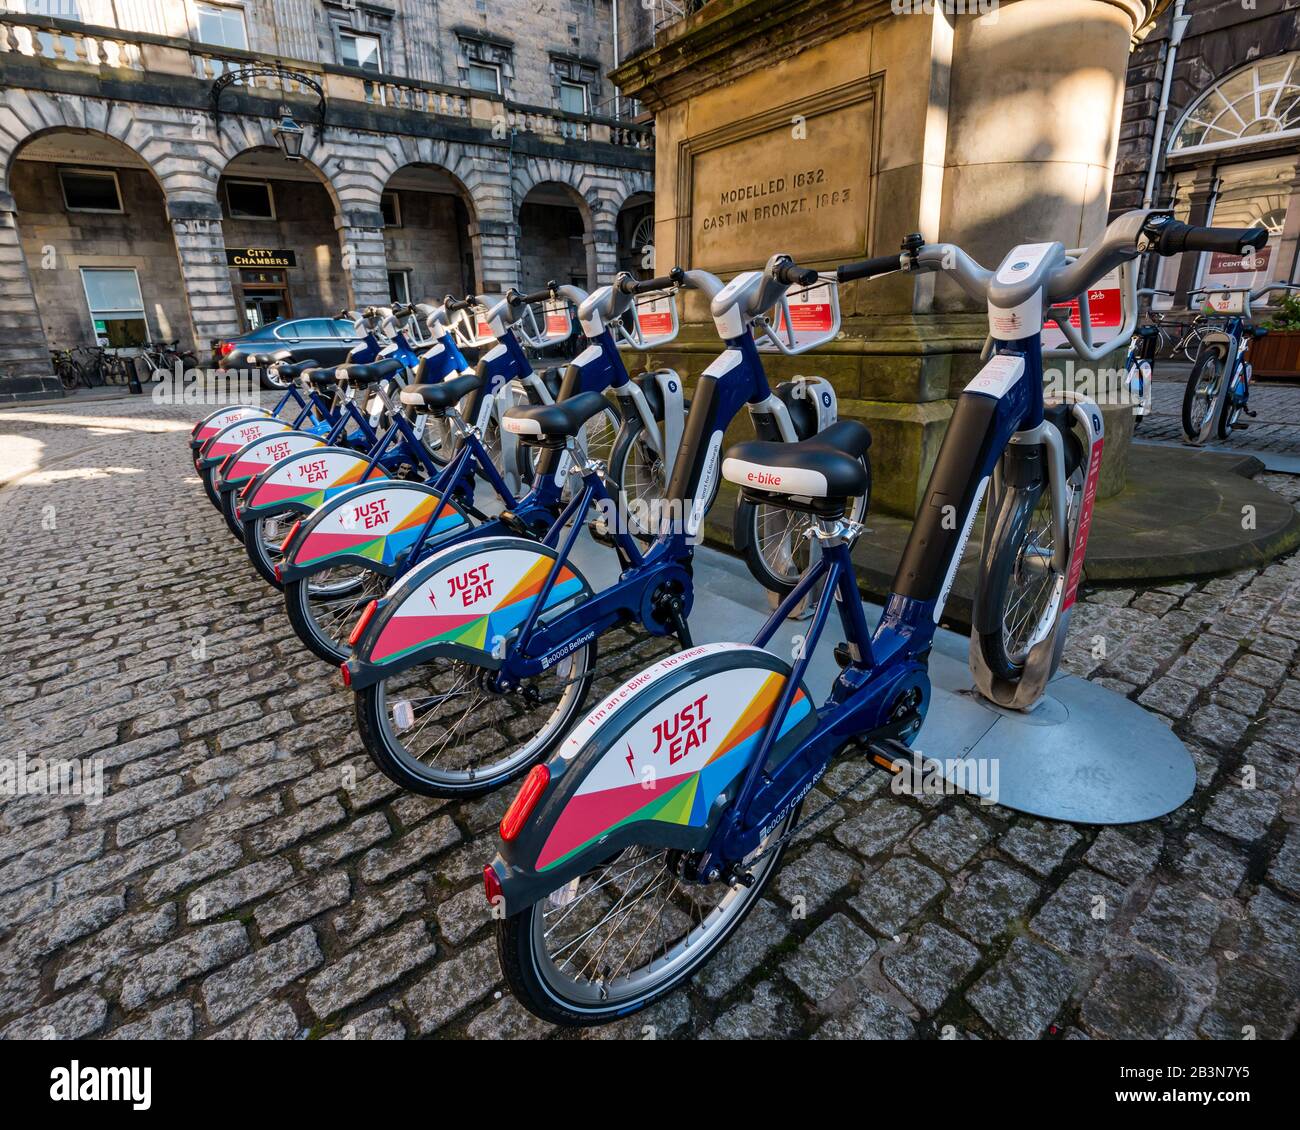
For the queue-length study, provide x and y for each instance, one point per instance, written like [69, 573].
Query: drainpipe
[1177, 28]
[617, 99]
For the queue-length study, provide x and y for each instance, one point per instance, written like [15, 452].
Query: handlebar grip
[868, 268]
[455, 305]
[795, 275]
[640, 286]
[528, 299]
[1176, 237]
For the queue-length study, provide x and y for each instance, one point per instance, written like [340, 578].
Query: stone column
[496, 254]
[201, 251]
[1200, 203]
[365, 259]
[602, 249]
[25, 370]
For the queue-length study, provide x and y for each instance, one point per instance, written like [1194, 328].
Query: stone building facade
[468, 145]
[1227, 151]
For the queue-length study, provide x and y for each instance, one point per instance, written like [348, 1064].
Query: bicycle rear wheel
[624, 934]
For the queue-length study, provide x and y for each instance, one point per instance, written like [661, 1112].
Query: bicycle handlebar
[628, 285]
[869, 268]
[1174, 237]
[516, 299]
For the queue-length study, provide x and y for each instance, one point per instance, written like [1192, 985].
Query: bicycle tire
[1192, 432]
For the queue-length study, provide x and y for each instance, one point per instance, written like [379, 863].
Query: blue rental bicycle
[630, 856]
[367, 532]
[1217, 395]
[478, 660]
[384, 440]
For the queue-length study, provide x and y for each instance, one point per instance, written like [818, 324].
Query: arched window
[1262, 99]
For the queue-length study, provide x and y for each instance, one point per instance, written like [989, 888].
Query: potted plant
[1277, 353]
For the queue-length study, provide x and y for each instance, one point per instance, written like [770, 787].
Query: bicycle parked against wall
[1217, 395]
[630, 856]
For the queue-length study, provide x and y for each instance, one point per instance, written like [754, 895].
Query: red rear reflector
[522, 806]
[347, 675]
[492, 886]
[277, 572]
[293, 532]
[246, 487]
[361, 624]
[227, 348]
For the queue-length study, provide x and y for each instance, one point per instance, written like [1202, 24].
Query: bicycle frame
[893, 658]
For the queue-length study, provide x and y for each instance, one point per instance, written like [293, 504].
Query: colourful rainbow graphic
[276, 491]
[480, 623]
[684, 798]
[381, 545]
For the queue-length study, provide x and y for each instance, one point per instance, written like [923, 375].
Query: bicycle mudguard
[254, 458]
[304, 481]
[213, 422]
[461, 603]
[370, 524]
[655, 765]
[237, 435]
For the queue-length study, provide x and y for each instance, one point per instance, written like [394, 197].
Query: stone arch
[431, 231]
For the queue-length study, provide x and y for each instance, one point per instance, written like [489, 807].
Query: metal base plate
[1083, 754]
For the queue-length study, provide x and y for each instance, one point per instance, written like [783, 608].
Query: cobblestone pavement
[248, 874]
[1276, 427]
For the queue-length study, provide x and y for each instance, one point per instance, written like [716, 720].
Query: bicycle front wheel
[1019, 581]
[440, 729]
[624, 934]
[1201, 397]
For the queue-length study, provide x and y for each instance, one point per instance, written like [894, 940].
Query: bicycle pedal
[843, 654]
[1239, 425]
[891, 754]
[601, 533]
[1249, 413]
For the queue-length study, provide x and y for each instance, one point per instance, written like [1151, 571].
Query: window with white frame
[249, 200]
[360, 51]
[90, 190]
[221, 25]
[115, 305]
[573, 97]
[485, 76]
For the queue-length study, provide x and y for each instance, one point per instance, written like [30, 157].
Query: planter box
[1276, 354]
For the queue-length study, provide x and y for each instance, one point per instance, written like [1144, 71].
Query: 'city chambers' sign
[795, 179]
[260, 257]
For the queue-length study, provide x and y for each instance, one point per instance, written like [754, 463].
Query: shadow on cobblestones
[248, 874]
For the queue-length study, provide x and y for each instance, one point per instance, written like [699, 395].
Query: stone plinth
[829, 129]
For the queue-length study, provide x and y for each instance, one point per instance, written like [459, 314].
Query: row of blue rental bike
[421, 514]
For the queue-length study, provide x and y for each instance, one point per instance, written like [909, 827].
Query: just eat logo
[313, 472]
[471, 586]
[371, 514]
[277, 451]
[686, 730]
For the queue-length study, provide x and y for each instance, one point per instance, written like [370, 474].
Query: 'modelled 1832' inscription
[801, 189]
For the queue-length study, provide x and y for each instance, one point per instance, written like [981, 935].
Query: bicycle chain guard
[1044, 657]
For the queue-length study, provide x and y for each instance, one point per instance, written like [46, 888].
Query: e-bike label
[376, 525]
[265, 453]
[669, 764]
[308, 479]
[472, 602]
